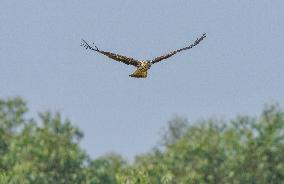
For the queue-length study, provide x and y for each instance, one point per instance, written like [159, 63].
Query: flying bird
[142, 66]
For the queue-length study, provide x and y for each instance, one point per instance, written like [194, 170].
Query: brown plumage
[142, 66]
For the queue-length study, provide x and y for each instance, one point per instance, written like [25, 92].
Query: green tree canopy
[243, 150]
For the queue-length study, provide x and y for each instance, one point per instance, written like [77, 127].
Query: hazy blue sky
[237, 69]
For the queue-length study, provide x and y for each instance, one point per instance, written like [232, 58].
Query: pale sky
[236, 70]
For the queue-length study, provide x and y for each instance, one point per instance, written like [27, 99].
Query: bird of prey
[142, 66]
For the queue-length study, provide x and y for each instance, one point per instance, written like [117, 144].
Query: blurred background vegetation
[46, 150]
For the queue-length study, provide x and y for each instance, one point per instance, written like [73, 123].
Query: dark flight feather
[166, 56]
[117, 57]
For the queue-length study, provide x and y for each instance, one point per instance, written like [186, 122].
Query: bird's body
[142, 66]
[141, 70]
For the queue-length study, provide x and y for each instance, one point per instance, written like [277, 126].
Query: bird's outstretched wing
[117, 57]
[160, 58]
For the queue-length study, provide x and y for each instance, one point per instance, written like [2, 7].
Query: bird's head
[146, 63]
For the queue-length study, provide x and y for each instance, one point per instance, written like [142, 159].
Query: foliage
[243, 150]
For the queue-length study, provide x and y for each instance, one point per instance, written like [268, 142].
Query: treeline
[46, 151]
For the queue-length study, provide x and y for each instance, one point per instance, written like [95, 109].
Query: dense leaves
[46, 150]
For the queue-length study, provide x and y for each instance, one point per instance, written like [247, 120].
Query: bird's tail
[139, 74]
